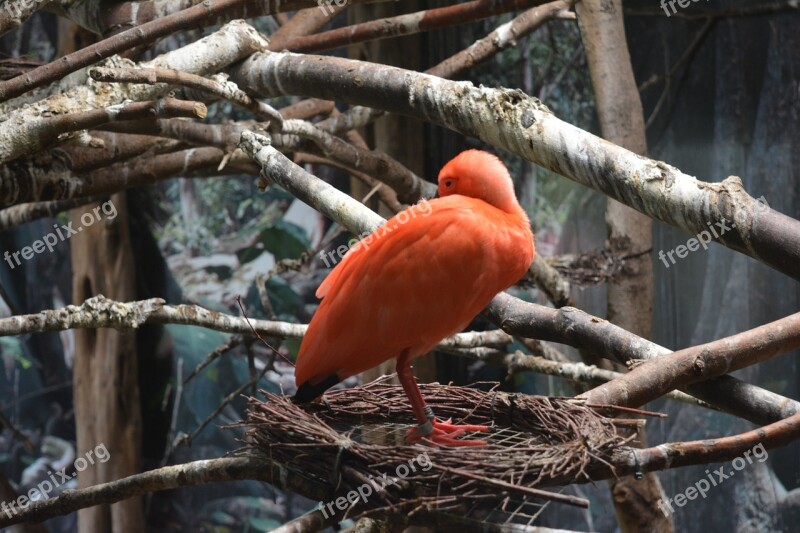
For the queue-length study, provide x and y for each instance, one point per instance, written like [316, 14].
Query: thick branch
[48, 129]
[221, 88]
[511, 120]
[658, 376]
[62, 185]
[19, 134]
[584, 331]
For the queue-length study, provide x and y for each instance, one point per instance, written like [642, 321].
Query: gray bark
[511, 120]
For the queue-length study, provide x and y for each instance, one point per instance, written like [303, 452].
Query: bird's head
[481, 175]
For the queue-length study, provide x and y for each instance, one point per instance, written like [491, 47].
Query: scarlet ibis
[421, 277]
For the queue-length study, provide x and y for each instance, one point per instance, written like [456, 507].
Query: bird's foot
[444, 433]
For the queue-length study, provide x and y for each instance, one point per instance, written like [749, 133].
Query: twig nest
[354, 438]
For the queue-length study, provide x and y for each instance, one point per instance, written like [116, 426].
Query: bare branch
[658, 376]
[409, 187]
[304, 22]
[20, 136]
[49, 129]
[23, 213]
[221, 88]
[168, 477]
[511, 120]
[503, 37]
[408, 24]
[581, 330]
[62, 185]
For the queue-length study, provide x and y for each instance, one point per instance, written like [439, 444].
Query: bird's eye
[448, 183]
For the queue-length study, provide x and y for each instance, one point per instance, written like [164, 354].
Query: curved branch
[410, 187]
[159, 25]
[583, 331]
[518, 362]
[658, 376]
[511, 120]
[304, 22]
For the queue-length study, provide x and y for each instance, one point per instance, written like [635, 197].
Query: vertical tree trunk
[105, 372]
[107, 408]
[630, 295]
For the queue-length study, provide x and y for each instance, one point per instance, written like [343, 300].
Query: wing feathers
[410, 287]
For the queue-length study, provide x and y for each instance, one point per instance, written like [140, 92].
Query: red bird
[416, 280]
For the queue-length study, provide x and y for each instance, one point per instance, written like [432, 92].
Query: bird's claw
[445, 433]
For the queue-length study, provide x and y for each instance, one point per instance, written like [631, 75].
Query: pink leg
[429, 428]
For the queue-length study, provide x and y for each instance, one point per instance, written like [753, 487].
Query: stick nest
[356, 436]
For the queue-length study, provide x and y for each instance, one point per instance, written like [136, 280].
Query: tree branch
[221, 88]
[408, 24]
[511, 120]
[20, 136]
[658, 376]
[503, 37]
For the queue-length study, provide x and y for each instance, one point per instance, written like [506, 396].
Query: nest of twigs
[355, 437]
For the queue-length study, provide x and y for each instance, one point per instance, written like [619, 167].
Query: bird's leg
[429, 428]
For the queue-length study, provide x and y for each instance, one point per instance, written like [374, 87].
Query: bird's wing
[411, 283]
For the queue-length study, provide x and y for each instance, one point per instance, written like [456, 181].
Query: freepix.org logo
[43, 490]
[61, 234]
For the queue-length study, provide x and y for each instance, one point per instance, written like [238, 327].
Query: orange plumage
[421, 277]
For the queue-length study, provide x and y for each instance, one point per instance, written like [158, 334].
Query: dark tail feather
[308, 392]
